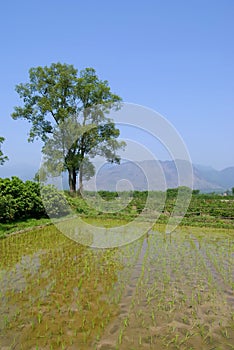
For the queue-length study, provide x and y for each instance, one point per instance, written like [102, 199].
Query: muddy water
[162, 292]
[183, 298]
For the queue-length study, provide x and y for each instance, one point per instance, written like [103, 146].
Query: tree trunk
[72, 180]
[80, 179]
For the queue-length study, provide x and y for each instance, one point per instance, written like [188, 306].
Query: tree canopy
[2, 157]
[68, 112]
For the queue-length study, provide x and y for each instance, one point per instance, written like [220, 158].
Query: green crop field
[163, 291]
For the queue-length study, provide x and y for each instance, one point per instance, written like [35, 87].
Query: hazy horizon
[27, 171]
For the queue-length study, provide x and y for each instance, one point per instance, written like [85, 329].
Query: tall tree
[58, 101]
[77, 140]
[2, 157]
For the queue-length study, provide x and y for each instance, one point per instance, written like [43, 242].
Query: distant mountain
[223, 178]
[160, 175]
[141, 175]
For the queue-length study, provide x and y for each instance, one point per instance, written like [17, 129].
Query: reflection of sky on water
[16, 278]
[101, 237]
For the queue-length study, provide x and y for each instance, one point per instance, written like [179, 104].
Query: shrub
[20, 200]
[24, 200]
[54, 201]
[7, 208]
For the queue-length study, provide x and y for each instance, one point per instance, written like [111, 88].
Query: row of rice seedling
[60, 297]
[57, 293]
[177, 302]
[164, 291]
[219, 251]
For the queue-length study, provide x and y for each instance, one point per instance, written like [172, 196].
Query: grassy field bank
[209, 210]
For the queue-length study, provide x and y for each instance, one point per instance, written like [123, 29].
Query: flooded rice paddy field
[160, 292]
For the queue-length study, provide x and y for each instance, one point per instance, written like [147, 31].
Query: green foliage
[2, 157]
[195, 192]
[19, 200]
[22, 200]
[80, 206]
[172, 192]
[54, 201]
[108, 195]
[7, 208]
[40, 176]
[22, 225]
[51, 91]
[58, 101]
[204, 209]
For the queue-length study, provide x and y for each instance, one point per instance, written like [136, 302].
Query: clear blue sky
[176, 57]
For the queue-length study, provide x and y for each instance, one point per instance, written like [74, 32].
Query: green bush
[7, 208]
[54, 201]
[20, 200]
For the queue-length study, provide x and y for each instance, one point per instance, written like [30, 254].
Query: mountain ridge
[160, 175]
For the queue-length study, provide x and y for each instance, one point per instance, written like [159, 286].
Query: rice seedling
[164, 292]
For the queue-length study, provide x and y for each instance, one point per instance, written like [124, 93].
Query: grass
[204, 210]
[6, 228]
